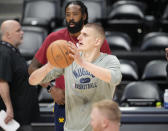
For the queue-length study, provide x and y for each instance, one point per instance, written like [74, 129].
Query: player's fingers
[71, 52]
[72, 45]
[70, 42]
[71, 55]
[71, 48]
[62, 103]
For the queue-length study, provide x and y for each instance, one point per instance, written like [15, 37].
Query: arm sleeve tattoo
[52, 75]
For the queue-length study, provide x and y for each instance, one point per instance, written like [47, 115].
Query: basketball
[58, 54]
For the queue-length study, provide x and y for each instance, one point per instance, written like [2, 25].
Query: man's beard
[78, 26]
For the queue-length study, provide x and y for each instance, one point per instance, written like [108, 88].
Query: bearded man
[76, 16]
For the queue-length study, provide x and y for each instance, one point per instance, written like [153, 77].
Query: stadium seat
[155, 70]
[58, 28]
[129, 70]
[163, 19]
[154, 41]
[32, 41]
[40, 12]
[127, 10]
[44, 96]
[165, 13]
[28, 62]
[127, 16]
[140, 94]
[96, 9]
[118, 41]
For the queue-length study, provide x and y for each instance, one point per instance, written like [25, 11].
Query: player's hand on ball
[58, 54]
[75, 53]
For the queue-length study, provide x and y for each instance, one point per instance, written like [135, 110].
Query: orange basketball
[58, 54]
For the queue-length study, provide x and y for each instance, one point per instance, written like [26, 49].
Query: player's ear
[84, 16]
[98, 41]
[105, 123]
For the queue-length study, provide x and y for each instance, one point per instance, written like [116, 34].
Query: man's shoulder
[4, 49]
[109, 57]
[5, 52]
[59, 32]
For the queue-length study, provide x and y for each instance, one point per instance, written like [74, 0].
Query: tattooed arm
[44, 74]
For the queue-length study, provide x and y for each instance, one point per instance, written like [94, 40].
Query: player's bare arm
[35, 64]
[40, 76]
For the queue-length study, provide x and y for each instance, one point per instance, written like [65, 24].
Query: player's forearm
[5, 94]
[99, 72]
[35, 64]
[38, 75]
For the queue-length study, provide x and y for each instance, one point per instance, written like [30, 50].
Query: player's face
[87, 39]
[74, 18]
[16, 34]
[96, 120]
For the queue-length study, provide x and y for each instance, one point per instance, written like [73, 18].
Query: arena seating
[96, 9]
[118, 41]
[155, 70]
[32, 40]
[137, 33]
[134, 31]
[41, 12]
[140, 94]
[154, 41]
[129, 70]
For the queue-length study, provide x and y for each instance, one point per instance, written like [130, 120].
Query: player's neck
[91, 56]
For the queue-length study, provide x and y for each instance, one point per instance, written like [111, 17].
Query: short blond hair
[98, 28]
[109, 109]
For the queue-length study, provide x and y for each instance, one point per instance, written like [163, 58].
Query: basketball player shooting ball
[91, 77]
[58, 54]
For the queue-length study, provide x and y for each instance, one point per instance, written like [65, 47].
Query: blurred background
[137, 33]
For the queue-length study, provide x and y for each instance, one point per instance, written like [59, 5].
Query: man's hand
[58, 95]
[5, 95]
[166, 50]
[9, 115]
